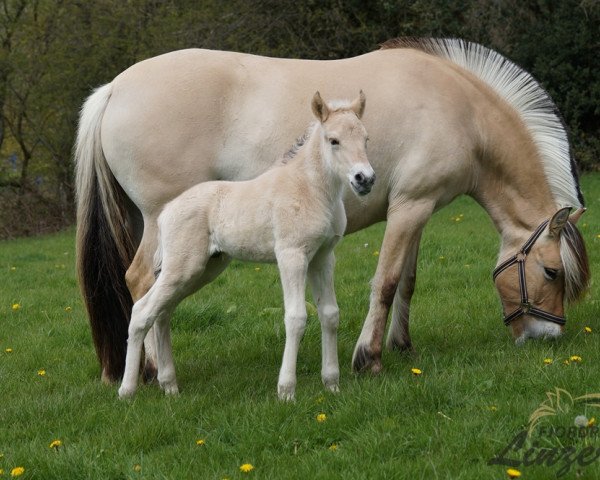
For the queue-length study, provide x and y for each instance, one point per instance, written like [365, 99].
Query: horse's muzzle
[362, 184]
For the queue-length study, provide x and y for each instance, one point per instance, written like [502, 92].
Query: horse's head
[552, 266]
[345, 141]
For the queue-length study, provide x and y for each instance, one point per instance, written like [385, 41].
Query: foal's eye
[550, 273]
[334, 141]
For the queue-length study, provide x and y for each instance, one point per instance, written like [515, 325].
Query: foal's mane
[525, 95]
[300, 141]
[541, 116]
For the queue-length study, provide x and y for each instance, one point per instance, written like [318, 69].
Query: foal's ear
[558, 221]
[358, 105]
[319, 108]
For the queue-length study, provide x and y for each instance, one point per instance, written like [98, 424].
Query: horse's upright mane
[523, 93]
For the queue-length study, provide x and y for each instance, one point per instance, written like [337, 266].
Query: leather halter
[525, 308]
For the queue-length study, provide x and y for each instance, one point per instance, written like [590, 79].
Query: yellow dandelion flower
[137, 467]
[587, 330]
[321, 417]
[55, 444]
[42, 373]
[575, 358]
[200, 442]
[17, 472]
[16, 306]
[598, 236]
[416, 371]
[548, 361]
[513, 473]
[591, 422]
[68, 309]
[493, 408]
[8, 350]
[566, 362]
[376, 253]
[1, 472]
[12, 269]
[257, 269]
[442, 257]
[333, 447]
[246, 467]
[320, 399]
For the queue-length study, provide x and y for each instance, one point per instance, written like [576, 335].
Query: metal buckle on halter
[526, 307]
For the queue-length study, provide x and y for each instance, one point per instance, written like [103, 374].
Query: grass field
[476, 392]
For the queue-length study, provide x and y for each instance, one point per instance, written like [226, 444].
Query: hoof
[364, 360]
[286, 393]
[400, 346]
[149, 372]
[333, 387]
[125, 393]
[171, 390]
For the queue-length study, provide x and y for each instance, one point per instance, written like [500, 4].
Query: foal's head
[345, 141]
[554, 269]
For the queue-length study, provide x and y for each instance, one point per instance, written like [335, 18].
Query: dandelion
[591, 422]
[16, 306]
[257, 269]
[41, 373]
[513, 473]
[566, 362]
[581, 421]
[137, 467]
[320, 399]
[376, 253]
[68, 309]
[8, 350]
[1, 472]
[575, 358]
[416, 372]
[246, 467]
[587, 330]
[321, 417]
[333, 447]
[56, 444]
[200, 442]
[17, 472]
[598, 236]
[548, 361]
[493, 408]
[13, 269]
[442, 258]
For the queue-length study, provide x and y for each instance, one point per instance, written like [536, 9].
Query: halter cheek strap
[525, 308]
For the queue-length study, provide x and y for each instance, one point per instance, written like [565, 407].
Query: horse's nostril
[359, 177]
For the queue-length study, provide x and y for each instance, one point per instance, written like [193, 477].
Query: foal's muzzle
[362, 183]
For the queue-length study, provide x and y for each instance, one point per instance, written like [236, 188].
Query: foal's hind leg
[320, 277]
[398, 334]
[139, 278]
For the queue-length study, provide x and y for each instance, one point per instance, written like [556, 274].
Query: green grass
[228, 341]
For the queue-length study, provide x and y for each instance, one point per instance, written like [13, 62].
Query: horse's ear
[576, 215]
[319, 108]
[558, 221]
[358, 105]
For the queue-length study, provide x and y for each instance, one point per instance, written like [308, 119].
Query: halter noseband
[525, 308]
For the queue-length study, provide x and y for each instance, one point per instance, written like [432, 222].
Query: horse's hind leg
[398, 334]
[320, 277]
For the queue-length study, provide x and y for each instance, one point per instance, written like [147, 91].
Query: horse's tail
[104, 240]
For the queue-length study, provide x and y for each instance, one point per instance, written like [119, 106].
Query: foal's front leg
[320, 277]
[292, 265]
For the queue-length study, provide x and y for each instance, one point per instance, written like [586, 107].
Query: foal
[292, 214]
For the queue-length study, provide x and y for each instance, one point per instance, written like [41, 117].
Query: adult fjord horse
[446, 118]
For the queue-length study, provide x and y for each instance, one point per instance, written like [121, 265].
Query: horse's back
[196, 115]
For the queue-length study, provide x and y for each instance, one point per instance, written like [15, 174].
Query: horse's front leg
[398, 334]
[404, 226]
[320, 277]
[292, 265]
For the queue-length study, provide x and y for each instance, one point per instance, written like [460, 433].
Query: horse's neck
[512, 187]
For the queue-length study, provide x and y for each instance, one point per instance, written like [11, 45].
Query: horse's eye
[334, 141]
[550, 273]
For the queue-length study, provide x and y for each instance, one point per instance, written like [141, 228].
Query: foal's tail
[104, 240]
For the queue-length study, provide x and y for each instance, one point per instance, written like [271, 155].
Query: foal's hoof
[170, 388]
[364, 360]
[125, 393]
[286, 393]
